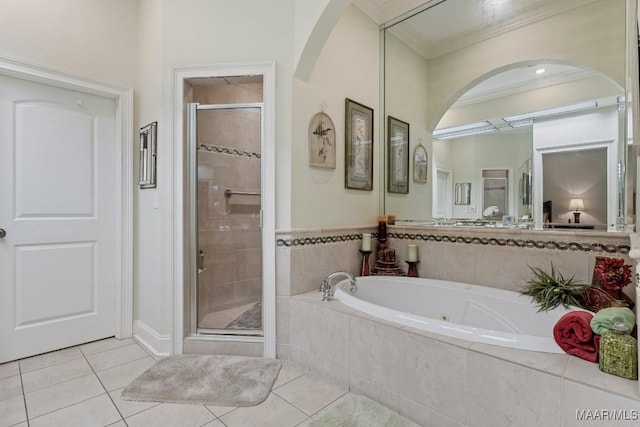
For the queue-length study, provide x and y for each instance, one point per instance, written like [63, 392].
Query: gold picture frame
[398, 156]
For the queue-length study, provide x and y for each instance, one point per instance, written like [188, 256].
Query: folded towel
[574, 335]
[603, 320]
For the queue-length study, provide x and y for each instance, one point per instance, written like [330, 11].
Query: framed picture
[398, 156]
[358, 163]
[525, 188]
[148, 155]
[322, 142]
[420, 168]
[463, 193]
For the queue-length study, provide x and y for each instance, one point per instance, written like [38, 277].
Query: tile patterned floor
[80, 386]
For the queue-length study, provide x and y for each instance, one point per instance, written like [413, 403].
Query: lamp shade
[576, 205]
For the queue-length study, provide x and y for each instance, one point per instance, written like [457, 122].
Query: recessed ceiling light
[540, 70]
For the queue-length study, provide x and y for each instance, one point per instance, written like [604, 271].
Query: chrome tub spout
[325, 286]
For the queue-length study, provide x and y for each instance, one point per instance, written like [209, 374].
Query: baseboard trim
[157, 344]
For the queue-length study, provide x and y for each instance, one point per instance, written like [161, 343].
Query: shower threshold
[230, 332]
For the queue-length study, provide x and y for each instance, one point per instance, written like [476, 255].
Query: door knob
[2, 233]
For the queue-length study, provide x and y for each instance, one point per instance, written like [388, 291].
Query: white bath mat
[206, 380]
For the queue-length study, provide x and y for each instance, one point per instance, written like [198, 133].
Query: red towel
[574, 335]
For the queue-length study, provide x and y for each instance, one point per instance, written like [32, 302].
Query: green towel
[602, 321]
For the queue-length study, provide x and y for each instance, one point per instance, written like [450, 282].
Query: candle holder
[413, 268]
[364, 266]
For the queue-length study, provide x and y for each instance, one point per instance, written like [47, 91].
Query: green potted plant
[549, 290]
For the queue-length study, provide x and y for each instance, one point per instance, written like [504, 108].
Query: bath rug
[250, 319]
[206, 380]
[359, 412]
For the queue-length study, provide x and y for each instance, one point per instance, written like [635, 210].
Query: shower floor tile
[220, 319]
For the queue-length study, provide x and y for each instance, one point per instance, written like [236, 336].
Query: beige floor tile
[305, 423]
[122, 375]
[288, 372]
[214, 423]
[219, 411]
[117, 356]
[52, 375]
[64, 394]
[104, 345]
[273, 412]
[50, 359]
[10, 387]
[118, 424]
[172, 415]
[12, 411]
[309, 394]
[9, 369]
[129, 407]
[98, 411]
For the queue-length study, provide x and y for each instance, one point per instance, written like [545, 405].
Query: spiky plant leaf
[549, 290]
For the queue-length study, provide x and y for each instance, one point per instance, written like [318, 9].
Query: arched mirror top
[527, 87]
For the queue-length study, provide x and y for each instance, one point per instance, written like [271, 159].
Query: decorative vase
[618, 354]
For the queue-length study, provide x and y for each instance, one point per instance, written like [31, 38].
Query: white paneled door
[58, 218]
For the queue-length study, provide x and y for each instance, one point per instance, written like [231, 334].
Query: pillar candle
[413, 253]
[366, 241]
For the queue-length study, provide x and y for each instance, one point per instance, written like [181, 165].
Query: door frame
[123, 98]
[180, 197]
[448, 192]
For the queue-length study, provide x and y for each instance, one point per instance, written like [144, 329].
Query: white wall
[601, 46]
[93, 39]
[346, 68]
[176, 33]
[151, 302]
[494, 150]
[406, 98]
[114, 42]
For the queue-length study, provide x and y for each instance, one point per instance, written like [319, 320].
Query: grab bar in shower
[229, 193]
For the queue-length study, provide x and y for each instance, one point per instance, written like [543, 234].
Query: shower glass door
[226, 144]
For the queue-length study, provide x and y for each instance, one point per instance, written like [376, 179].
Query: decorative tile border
[517, 243]
[306, 241]
[485, 241]
[229, 151]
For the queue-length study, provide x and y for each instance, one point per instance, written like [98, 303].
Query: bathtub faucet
[325, 286]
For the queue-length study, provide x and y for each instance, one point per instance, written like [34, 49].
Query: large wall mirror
[526, 100]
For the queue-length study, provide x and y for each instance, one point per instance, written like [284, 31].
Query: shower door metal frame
[178, 272]
[193, 107]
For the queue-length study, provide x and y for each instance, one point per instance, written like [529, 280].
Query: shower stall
[225, 134]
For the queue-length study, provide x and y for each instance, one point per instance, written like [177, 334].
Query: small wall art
[322, 142]
[420, 164]
[358, 163]
[398, 156]
[463, 193]
[148, 155]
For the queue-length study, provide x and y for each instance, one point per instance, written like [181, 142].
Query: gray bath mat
[206, 380]
[250, 319]
[359, 412]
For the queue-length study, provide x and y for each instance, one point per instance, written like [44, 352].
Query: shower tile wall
[228, 227]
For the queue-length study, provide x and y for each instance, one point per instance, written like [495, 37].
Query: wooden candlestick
[364, 267]
[413, 268]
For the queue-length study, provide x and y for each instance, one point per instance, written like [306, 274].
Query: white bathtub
[470, 312]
